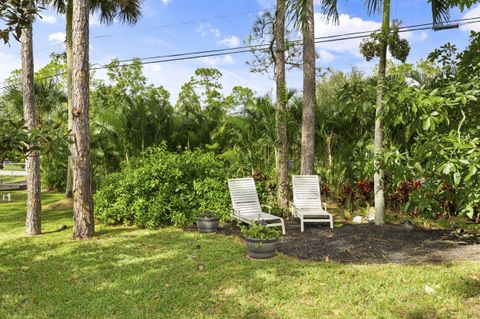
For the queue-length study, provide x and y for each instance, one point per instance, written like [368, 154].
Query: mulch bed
[365, 243]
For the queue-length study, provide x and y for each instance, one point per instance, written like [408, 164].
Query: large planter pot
[207, 224]
[261, 248]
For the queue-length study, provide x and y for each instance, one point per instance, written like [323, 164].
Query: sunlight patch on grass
[125, 272]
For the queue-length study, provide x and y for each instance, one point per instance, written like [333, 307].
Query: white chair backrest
[244, 195]
[306, 191]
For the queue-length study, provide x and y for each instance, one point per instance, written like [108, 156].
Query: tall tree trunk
[378, 177]
[281, 93]
[34, 206]
[82, 185]
[68, 32]
[308, 103]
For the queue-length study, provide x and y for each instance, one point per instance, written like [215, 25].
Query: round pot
[207, 224]
[261, 248]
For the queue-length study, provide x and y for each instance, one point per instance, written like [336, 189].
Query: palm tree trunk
[308, 109]
[34, 206]
[378, 145]
[281, 126]
[68, 32]
[82, 185]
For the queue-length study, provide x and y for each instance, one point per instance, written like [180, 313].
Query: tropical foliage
[431, 137]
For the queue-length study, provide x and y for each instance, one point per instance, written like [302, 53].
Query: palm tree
[34, 206]
[281, 126]
[439, 12]
[82, 182]
[125, 11]
[303, 14]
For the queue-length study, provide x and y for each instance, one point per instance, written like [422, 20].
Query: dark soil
[364, 243]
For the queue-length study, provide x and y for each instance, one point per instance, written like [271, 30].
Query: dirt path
[366, 243]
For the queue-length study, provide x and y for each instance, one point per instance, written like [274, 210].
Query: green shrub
[164, 188]
[260, 231]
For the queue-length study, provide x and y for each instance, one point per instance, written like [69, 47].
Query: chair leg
[331, 222]
[283, 227]
[302, 226]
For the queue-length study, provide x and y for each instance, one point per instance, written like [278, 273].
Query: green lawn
[7, 179]
[169, 273]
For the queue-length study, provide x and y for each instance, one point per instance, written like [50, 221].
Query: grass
[7, 179]
[170, 273]
[13, 167]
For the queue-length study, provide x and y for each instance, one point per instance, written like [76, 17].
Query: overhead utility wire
[322, 39]
[244, 49]
[226, 16]
[165, 26]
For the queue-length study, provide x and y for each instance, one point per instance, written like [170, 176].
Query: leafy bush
[260, 231]
[164, 188]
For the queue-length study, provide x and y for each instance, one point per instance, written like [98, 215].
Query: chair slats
[307, 201]
[246, 206]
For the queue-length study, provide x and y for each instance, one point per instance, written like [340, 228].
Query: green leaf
[457, 178]
[447, 168]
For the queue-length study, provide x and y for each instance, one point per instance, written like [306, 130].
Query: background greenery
[431, 156]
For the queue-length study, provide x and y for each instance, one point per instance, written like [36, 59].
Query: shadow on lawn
[166, 273]
[129, 273]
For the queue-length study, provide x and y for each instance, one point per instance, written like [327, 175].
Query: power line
[165, 26]
[226, 16]
[245, 49]
[322, 39]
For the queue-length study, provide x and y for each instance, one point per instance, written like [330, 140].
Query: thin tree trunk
[281, 126]
[309, 101]
[34, 206]
[68, 18]
[378, 177]
[82, 185]
[329, 150]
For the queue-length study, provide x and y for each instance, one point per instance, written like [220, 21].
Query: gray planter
[207, 224]
[261, 248]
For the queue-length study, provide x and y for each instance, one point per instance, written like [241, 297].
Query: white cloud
[473, 13]
[325, 56]
[8, 63]
[346, 24]
[94, 21]
[206, 28]
[231, 42]
[57, 37]
[165, 2]
[422, 36]
[214, 61]
[48, 19]
[414, 36]
[155, 68]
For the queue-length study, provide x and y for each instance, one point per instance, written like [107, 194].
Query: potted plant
[208, 222]
[261, 241]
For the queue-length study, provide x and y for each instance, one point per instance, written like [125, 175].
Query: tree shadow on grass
[168, 273]
[161, 274]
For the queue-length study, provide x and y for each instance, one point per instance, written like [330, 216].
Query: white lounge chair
[307, 204]
[246, 206]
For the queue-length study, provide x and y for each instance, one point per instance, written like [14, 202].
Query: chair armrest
[269, 208]
[235, 212]
[324, 206]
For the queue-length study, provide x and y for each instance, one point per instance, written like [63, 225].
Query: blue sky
[149, 37]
